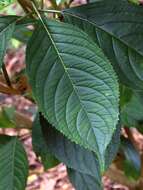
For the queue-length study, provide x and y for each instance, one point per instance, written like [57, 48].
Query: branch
[8, 90]
[49, 11]
[7, 79]
[26, 5]
[42, 4]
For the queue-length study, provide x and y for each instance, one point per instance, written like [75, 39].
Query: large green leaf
[7, 25]
[13, 164]
[74, 84]
[83, 181]
[40, 147]
[117, 28]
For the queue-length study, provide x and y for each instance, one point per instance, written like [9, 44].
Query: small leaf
[13, 164]
[83, 181]
[7, 25]
[117, 28]
[74, 84]
[7, 118]
[40, 147]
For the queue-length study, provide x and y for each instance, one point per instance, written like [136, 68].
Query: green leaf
[132, 112]
[68, 152]
[7, 118]
[132, 164]
[83, 162]
[13, 164]
[117, 28]
[49, 161]
[23, 34]
[74, 84]
[135, 1]
[83, 181]
[125, 95]
[113, 147]
[75, 156]
[40, 147]
[7, 25]
[23, 29]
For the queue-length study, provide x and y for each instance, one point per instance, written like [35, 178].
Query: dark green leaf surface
[70, 153]
[113, 147]
[74, 84]
[83, 181]
[117, 28]
[132, 164]
[75, 156]
[125, 95]
[49, 161]
[40, 147]
[132, 112]
[13, 164]
[7, 24]
[83, 161]
[22, 30]
[22, 34]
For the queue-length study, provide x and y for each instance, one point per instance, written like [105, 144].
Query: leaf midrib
[97, 26]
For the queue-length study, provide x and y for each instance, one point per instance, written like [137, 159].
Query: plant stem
[26, 5]
[9, 90]
[50, 11]
[7, 79]
[42, 4]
